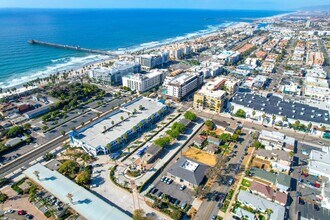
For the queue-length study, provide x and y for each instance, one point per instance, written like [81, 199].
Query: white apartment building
[319, 162]
[209, 69]
[114, 74]
[178, 51]
[228, 57]
[144, 82]
[179, 86]
[149, 61]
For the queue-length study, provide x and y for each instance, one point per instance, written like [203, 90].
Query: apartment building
[144, 82]
[179, 86]
[213, 94]
[150, 61]
[113, 75]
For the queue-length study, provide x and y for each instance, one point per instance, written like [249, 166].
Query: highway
[27, 158]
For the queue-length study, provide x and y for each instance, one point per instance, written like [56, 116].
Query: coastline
[121, 51]
[145, 47]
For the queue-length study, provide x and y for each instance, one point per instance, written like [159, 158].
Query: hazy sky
[203, 4]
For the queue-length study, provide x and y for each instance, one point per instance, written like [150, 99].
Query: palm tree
[263, 117]
[273, 118]
[70, 197]
[104, 128]
[112, 122]
[140, 107]
[253, 113]
[122, 118]
[36, 173]
[232, 109]
[134, 111]
[125, 136]
[309, 126]
[118, 140]
[269, 212]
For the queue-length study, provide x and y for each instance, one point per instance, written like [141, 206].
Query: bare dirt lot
[201, 156]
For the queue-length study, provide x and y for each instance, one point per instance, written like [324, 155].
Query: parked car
[9, 211]
[21, 212]
[183, 205]
[182, 187]
[163, 179]
[29, 216]
[160, 194]
[230, 181]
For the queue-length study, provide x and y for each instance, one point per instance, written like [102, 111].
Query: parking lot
[173, 190]
[308, 211]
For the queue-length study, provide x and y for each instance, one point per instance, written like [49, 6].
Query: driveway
[116, 195]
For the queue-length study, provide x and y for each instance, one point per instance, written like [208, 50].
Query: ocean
[105, 29]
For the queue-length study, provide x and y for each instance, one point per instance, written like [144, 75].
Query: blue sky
[202, 4]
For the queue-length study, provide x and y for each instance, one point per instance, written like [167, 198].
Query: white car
[9, 211]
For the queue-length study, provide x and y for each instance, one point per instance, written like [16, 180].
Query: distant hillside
[316, 8]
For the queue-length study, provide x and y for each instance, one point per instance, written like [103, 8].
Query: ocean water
[106, 29]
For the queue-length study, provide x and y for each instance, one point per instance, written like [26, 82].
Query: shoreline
[149, 46]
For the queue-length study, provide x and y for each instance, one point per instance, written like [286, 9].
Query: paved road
[210, 208]
[26, 159]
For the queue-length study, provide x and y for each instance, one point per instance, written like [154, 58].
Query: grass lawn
[246, 183]
[201, 156]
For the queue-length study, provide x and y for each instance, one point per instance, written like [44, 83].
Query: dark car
[29, 216]
[316, 207]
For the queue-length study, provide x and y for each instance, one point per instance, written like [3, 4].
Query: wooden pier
[68, 47]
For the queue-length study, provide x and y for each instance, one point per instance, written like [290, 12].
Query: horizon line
[123, 8]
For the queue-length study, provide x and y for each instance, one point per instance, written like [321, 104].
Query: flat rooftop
[83, 202]
[262, 204]
[94, 134]
[276, 105]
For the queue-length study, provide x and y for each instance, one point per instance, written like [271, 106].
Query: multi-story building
[144, 82]
[319, 162]
[213, 95]
[114, 74]
[110, 133]
[209, 69]
[149, 61]
[178, 51]
[181, 85]
[228, 57]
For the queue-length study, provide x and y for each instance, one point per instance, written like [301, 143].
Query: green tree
[173, 133]
[209, 124]
[309, 126]
[235, 137]
[224, 137]
[62, 132]
[240, 113]
[258, 145]
[177, 126]
[27, 126]
[83, 178]
[69, 168]
[190, 116]
[14, 131]
[162, 142]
